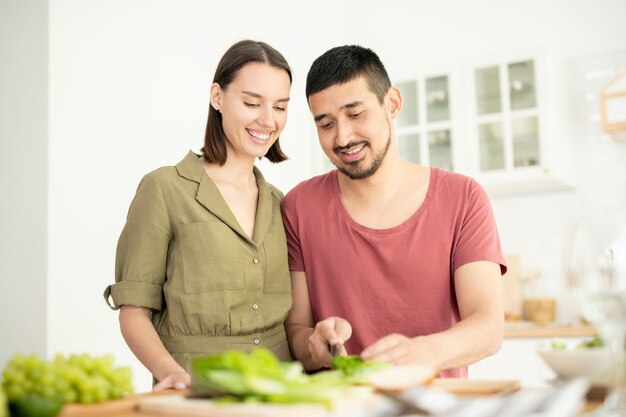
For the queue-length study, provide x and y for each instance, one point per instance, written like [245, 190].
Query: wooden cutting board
[113, 407]
[361, 399]
[476, 386]
[97, 410]
[176, 404]
[179, 405]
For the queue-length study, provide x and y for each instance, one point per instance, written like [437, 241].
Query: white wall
[418, 36]
[23, 170]
[128, 84]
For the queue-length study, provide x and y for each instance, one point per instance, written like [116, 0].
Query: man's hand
[479, 333]
[396, 349]
[333, 331]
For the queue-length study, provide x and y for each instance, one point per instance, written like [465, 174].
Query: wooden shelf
[530, 330]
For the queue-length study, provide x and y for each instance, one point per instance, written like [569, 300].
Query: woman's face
[253, 108]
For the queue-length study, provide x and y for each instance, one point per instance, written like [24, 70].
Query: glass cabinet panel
[525, 134]
[409, 146]
[488, 90]
[440, 149]
[491, 146]
[409, 114]
[437, 104]
[522, 85]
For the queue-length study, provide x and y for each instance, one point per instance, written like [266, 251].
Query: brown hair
[235, 58]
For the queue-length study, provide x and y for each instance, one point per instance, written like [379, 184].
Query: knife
[336, 349]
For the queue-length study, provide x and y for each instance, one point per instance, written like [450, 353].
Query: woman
[201, 264]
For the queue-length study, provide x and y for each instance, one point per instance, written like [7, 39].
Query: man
[390, 260]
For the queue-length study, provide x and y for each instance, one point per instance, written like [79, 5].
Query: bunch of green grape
[4, 411]
[73, 379]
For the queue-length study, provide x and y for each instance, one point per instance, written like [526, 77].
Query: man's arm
[310, 342]
[479, 333]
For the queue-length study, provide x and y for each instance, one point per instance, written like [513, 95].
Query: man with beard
[394, 261]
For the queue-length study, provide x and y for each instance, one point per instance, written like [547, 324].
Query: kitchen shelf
[520, 329]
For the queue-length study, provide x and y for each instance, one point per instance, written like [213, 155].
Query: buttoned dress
[183, 255]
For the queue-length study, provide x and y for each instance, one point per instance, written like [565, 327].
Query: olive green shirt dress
[183, 255]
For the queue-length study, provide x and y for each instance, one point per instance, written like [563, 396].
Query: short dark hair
[345, 63]
[233, 60]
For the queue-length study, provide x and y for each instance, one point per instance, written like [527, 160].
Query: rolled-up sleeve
[142, 249]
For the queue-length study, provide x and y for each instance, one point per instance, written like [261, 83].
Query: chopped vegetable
[356, 370]
[591, 343]
[560, 345]
[260, 376]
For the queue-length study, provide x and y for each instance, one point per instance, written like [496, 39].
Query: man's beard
[358, 172]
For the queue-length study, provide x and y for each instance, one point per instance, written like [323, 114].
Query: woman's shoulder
[160, 176]
[170, 178]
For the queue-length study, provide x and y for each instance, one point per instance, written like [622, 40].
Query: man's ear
[216, 96]
[393, 102]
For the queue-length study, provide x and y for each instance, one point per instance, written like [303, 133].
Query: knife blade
[336, 349]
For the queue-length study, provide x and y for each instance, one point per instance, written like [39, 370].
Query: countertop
[128, 407]
[521, 329]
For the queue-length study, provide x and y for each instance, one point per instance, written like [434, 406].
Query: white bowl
[592, 363]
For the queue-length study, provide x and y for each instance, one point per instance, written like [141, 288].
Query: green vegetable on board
[259, 376]
[356, 370]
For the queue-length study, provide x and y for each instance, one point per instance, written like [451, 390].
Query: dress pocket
[211, 258]
[277, 278]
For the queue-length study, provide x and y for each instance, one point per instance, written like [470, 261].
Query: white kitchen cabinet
[487, 119]
[511, 148]
[506, 119]
[426, 130]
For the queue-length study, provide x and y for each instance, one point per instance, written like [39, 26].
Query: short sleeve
[477, 238]
[141, 256]
[290, 220]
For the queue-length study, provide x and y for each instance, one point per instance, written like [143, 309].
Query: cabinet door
[425, 127]
[506, 117]
[408, 122]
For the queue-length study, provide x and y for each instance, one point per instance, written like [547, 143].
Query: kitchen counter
[518, 357]
[128, 407]
[525, 329]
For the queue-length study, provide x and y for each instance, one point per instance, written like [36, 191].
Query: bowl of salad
[588, 358]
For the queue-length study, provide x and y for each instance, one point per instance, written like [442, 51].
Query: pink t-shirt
[397, 280]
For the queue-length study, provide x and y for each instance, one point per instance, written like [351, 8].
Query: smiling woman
[201, 264]
[253, 110]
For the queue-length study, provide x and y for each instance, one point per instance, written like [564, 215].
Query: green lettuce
[260, 376]
[355, 370]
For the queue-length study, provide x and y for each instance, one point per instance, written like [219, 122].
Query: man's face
[354, 129]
